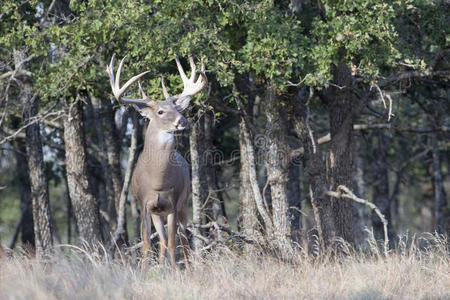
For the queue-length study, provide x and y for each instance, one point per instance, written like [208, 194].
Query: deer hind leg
[183, 237]
[159, 226]
[172, 226]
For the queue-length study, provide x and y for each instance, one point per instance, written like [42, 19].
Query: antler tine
[202, 74]
[119, 70]
[191, 62]
[202, 64]
[144, 96]
[110, 71]
[180, 69]
[115, 83]
[166, 94]
[192, 87]
[202, 79]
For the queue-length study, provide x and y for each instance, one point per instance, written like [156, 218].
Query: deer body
[161, 185]
[161, 182]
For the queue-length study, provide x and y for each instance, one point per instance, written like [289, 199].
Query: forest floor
[407, 273]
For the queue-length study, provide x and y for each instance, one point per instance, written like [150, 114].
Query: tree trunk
[113, 142]
[98, 166]
[68, 212]
[198, 178]
[35, 159]
[381, 196]
[316, 172]
[212, 156]
[27, 225]
[247, 207]
[340, 152]
[275, 163]
[84, 203]
[441, 210]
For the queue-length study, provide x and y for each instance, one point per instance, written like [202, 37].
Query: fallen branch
[343, 192]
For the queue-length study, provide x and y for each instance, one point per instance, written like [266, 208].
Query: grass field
[410, 272]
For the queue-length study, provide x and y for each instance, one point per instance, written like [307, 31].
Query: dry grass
[409, 273]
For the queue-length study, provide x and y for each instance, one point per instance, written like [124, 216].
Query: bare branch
[343, 192]
[35, 119]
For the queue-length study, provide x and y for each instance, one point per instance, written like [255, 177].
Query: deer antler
[191, 87]
[119, 91]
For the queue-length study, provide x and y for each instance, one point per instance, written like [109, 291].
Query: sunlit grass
[418, 269]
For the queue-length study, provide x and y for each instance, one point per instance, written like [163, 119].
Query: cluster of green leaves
[262, 38]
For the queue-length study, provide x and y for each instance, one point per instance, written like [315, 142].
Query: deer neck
[159, 144]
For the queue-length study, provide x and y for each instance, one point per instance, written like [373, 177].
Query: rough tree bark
[27, 232]
[198, 177]
[340, 151]
[248, 222]
[100, 179]
[316, 172]
[35, 160]
[276, 166]
[112, 140]
[211, 159]
[247, 207]
[84, 203]
[108, 134]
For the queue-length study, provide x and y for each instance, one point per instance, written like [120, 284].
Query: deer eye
[160, 112]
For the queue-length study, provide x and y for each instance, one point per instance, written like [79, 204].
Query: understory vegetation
[418, 269]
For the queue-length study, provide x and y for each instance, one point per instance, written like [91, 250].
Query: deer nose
[181, 123]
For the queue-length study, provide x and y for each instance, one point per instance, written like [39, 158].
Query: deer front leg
[172, 225]
[159, 226]
[146, 232]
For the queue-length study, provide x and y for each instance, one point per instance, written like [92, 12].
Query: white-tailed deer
[161, 180]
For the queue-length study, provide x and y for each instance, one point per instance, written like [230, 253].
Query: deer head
[166, 115]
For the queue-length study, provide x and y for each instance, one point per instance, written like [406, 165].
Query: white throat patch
[165, 137]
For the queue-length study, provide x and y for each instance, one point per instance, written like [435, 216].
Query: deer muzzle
[181, 123]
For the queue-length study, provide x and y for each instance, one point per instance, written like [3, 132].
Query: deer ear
[146, 109]
[182, 103]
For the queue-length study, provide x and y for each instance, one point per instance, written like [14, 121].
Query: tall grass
[418, 269]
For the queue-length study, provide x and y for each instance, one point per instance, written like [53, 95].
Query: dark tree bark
[276, 166]
[98, 166]
[316, 172]
[84, 203]
[211, 158]
[27, 225]
[109, 142]
[35, 159]
[68, 212]
[39, 185]
[441, 211]
[113, 142]
[340, 152]
[381, 196]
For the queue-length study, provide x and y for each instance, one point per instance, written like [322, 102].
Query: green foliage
[257, 37]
